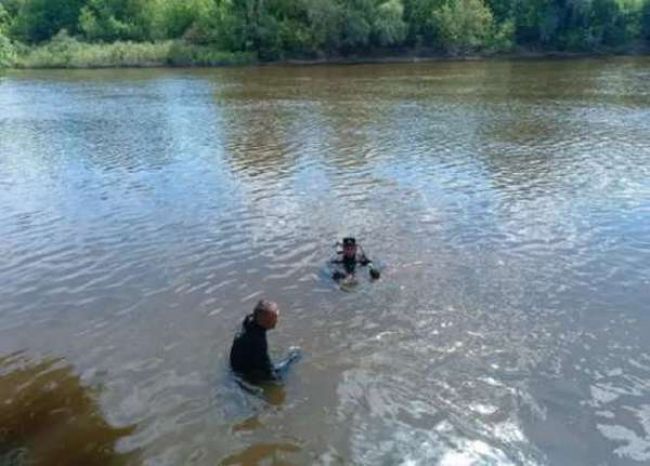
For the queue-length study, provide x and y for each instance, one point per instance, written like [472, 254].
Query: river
[144, 212]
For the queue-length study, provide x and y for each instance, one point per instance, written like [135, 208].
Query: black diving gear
[349, 262]
[249, 355]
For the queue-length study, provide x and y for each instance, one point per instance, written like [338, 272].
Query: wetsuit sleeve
[266, 364]
[249, 357]
[363, 260]
[263, 366]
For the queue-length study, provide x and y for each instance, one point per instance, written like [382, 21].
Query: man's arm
[263, 364]
[283, 366]
[365, 261]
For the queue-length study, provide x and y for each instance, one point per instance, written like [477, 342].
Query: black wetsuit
[349, 264]
[249, 356]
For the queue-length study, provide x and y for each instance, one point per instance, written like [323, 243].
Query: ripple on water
[505, 201]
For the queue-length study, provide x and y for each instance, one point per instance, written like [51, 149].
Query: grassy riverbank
[65, 52]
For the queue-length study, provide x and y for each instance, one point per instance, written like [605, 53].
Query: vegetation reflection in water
[255, 454]
[49, 417]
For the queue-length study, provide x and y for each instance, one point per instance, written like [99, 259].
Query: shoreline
[371, 59]
[433, 58]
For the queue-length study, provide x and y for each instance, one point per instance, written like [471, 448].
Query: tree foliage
[7, 52]
[389, 27]
[39, 20]
[110, 20]
[307, 28]
[645, 22]
[463, 24]
[5, 20]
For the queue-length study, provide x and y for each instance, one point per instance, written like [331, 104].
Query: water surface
[143, 213]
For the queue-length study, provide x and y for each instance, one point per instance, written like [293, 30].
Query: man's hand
[294, 353]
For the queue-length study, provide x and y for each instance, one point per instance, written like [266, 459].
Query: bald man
[249, 356]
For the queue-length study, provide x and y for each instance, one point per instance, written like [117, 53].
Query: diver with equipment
[348, 258]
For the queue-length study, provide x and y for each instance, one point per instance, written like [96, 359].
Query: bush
[55, 54]
[66, 52]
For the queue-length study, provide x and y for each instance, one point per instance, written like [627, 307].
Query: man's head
[266, 314]
[349, 247]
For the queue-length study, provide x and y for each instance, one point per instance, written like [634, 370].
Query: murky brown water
[142, 213]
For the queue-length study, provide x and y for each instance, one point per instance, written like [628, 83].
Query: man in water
[249, 356]
[351, 256]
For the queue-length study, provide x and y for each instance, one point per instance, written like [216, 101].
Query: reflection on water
[273, 454]
[49, 417]
[272, 393]
[143, 213]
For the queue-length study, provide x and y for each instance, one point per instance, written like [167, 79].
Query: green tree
[502, 10]
[645, 29]
[418, 14]
[325, 23]
[39, 20]
[5, 20]
[245, 25]
[110, 20]
[534, 22]
[220, 27]
[174, 18]
[293, 23]
[357, 25]
[607, 23]
[7, 51]
[572, 29]
[279, 28]
[389, 27]
[463, 25]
